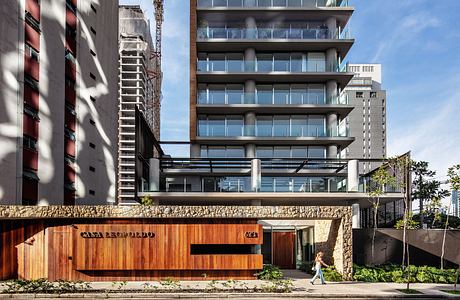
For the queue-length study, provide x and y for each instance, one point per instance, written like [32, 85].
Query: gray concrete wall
[11, 99]
[426, 245]
[104, 111]
[52, 104]
[364, 130]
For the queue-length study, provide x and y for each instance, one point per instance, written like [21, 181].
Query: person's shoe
[323, 283]
[311, 282]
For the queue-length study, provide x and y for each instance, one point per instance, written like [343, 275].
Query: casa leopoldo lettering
[116, 234]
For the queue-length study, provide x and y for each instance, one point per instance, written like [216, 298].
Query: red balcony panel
[69, 173]
[70, 43]
[69, 147]
[71, 19]
[31, 67]
[31, 96]
[74, 2]
[69, 197]
[32, 36]
[30, 126]
[30, 159]
[70, 121]
[70, 95]
[70, 69]
[29, 191]
[33, 8]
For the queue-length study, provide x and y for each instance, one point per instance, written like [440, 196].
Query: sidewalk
[302, 289]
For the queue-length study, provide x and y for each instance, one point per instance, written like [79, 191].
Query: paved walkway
[302, 289]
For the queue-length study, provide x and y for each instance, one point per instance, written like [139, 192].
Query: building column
[331, 24]
[332, 124]
[353, 176]
[332, 151]
[154, 175]
[250, 130]
[251, 27]
[355, 218]
[195, 150]
[250, 60]
[331, 91]
[249, 92]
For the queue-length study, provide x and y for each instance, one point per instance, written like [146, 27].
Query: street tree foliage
[426, 190]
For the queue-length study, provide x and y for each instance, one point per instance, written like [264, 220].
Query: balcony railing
[272, 33]
[279, 175]
[241, 66]
[272, 3]
[291, 98]
[261, 131]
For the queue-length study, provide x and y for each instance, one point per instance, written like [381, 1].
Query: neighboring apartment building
[137, 72]
[58, 108]
[367, 121]
[455, 203]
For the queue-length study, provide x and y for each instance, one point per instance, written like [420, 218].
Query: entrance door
[283, 250]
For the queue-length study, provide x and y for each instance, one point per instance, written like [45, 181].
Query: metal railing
[272, 3]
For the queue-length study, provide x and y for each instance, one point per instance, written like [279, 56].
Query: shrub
[394, 273]
[270, 272]
[331, 274]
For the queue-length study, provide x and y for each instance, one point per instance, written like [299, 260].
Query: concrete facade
[367, 121]
[81, 171]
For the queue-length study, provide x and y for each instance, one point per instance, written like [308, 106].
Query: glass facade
[265, 63]
[291, 152]
[272, 3]
[266, 126]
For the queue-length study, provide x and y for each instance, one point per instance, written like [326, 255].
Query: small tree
[379, 180]
[400, 169]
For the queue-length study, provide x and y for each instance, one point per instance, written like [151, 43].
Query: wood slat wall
[48, 249]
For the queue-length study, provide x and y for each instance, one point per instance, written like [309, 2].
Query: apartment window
[69, 134]
[70, 6]
[93, 8]
[29, 110]
[92, 52]
[70, 108]
[69, 159]
[29, 143]
[92, 145]
[92, 76]
[92, 98]
[373, 94]
[32, 53]
[92, 122]
[32, 22]
[359, 94]
[92, 192]
[31, 82]
[92, 169]
[93, 30]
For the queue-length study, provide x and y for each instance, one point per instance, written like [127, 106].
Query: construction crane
[153, 109]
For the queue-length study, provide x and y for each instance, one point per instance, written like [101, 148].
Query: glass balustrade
[271, 33]
[291, 98]
[272, 3]
[267, 130]
[269, 66]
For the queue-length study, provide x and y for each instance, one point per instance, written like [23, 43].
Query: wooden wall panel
[11, 235]
[32, 251]
[169, 249]
[283, 249]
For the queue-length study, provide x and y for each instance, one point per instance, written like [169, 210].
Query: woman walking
[318, 264]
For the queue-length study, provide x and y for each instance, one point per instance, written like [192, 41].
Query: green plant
[212, 286]
[395, 273]
[409, 291]
[331, 274]
[149, 286]
[42, 285]
[170, 283]
[147, 200]
[270, 272]
[118, 285]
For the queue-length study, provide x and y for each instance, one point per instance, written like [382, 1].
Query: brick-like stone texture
[333, 230]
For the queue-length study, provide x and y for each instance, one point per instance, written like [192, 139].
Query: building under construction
[139, 100]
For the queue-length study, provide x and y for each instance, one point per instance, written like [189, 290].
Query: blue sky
[416, 41]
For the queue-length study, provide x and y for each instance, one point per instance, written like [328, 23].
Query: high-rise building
[367, 121]
[58, 108]
[268, 121]
[456, 203]
[137, 72]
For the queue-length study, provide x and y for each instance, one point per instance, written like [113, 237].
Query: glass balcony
[272, 3]
[269, 131]
[269, 66]
[271, 33]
